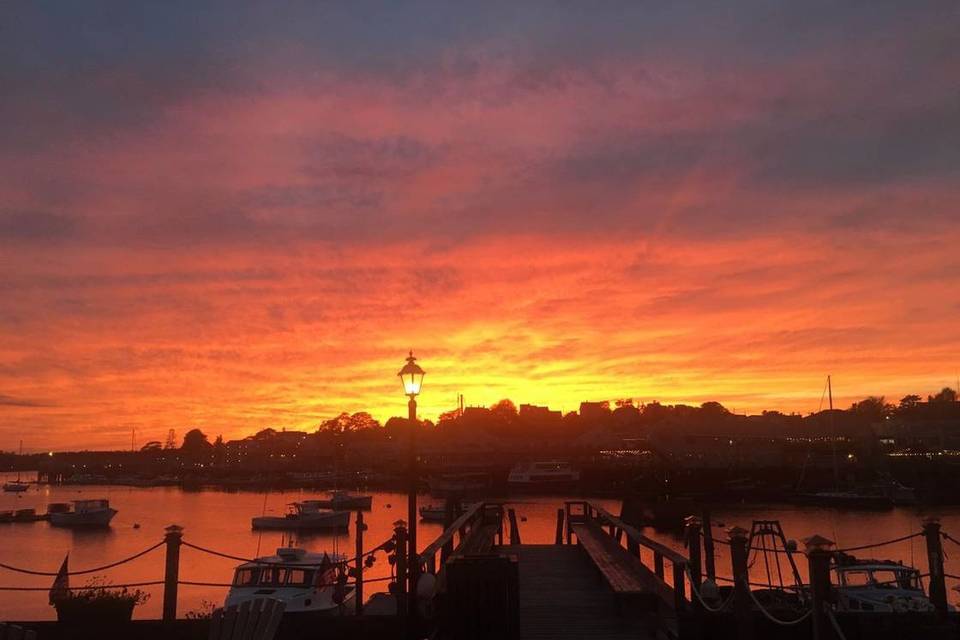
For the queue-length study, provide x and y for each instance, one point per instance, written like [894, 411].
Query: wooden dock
[561, 597]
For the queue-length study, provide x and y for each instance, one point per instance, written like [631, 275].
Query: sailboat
[16, 486]
[862, 499]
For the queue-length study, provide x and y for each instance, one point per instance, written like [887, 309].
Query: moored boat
[304, 515]
[340, 500]
[545, 475]
[15, 486]
[458, 484]
[306, 582]
[84, 513]
[879, 586]
[437, 513]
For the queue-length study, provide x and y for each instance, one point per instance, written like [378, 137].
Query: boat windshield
[882, 579]
[273, 577]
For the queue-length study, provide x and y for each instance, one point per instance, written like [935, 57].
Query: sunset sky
[236, 216]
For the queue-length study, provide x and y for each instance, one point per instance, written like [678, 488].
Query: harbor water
[220, 520]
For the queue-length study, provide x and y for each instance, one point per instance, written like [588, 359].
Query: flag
[61, 584]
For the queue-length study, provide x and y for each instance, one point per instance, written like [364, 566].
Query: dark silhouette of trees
[908, 403]
[946, 395]
[349, 423]
[872, 408]
[505, 409]
[153, 445]
[195, 444]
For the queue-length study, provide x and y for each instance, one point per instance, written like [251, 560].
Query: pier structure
[601, 578]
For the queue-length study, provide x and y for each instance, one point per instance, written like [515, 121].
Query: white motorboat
[873, 585]
[340, 500]
[85, 513]
[306, 582]
[307, 514]
[548, 474]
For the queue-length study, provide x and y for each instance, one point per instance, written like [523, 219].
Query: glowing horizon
[244, 218]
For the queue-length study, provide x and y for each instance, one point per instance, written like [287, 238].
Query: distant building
[534, 413]
[594, 410]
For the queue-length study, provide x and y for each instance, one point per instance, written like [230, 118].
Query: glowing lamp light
[411, 376]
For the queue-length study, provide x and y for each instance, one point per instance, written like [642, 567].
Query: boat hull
[335, 520]
[15, 487]
[99, 518]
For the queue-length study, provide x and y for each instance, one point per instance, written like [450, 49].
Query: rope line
[274, 564]
[107, 586]
[703, 603]
[84, 571]
[880, 544]
[836, 625]
[775, 620]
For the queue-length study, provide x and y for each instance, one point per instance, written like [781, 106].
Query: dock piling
[938, 588]
[693, 526]
[818, 550]
[559, 539]
[173, 539]
[359, 566]
[741, 577]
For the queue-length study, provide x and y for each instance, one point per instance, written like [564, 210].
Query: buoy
[136, 525]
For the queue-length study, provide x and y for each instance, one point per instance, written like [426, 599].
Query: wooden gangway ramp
[560, 598]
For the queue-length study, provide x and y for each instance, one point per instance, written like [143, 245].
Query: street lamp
[411, 375]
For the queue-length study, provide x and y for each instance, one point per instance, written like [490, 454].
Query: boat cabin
[881, 587]
[82, 506]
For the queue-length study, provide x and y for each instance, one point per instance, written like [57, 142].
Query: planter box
[94, 612]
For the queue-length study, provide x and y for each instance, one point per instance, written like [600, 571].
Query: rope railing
[835, 625]
[31, 572]
[769, 616]
[949, 537]
[880, 544]
[228, 556]
[152, 583]
[703, 602]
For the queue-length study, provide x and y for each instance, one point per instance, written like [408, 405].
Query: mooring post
[171, 575]
[818, 550]
[709, 557]
[559, 539]
[692, 524]
[742, 607]
[400, 554]
[938, 588]
[358, 589]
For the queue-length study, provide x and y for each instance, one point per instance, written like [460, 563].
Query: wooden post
[559, 539]
[171, 576]
[400, 534]
[361, 527]
[818, 561]
[693, 551]
[514, 529]
[938, 589]
[742, 607]
[569, 528]
[658, 564]
[710, 558]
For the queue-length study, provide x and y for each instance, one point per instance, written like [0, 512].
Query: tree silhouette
[195, 443]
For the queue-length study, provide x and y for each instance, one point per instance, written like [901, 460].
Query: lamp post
[411, 375]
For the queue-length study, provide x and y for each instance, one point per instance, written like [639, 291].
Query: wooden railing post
[658, 564]
[400, 554]
[361, 527]
[818, 563]
[171, 576]
[938, 588]
[514, 529]
[569, 529]
[559, 539]
[742, 607]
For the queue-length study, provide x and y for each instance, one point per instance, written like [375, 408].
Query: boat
[304, 515]
[458, 484]
[550, 474]
[340, 500]
[16, 486]
[879, 585]
[438, 512]
[306, 582]
[84, 513]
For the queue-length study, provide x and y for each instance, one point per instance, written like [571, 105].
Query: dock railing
[672, 593]
[435, 555]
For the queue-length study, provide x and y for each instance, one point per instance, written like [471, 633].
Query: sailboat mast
[833, 438]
